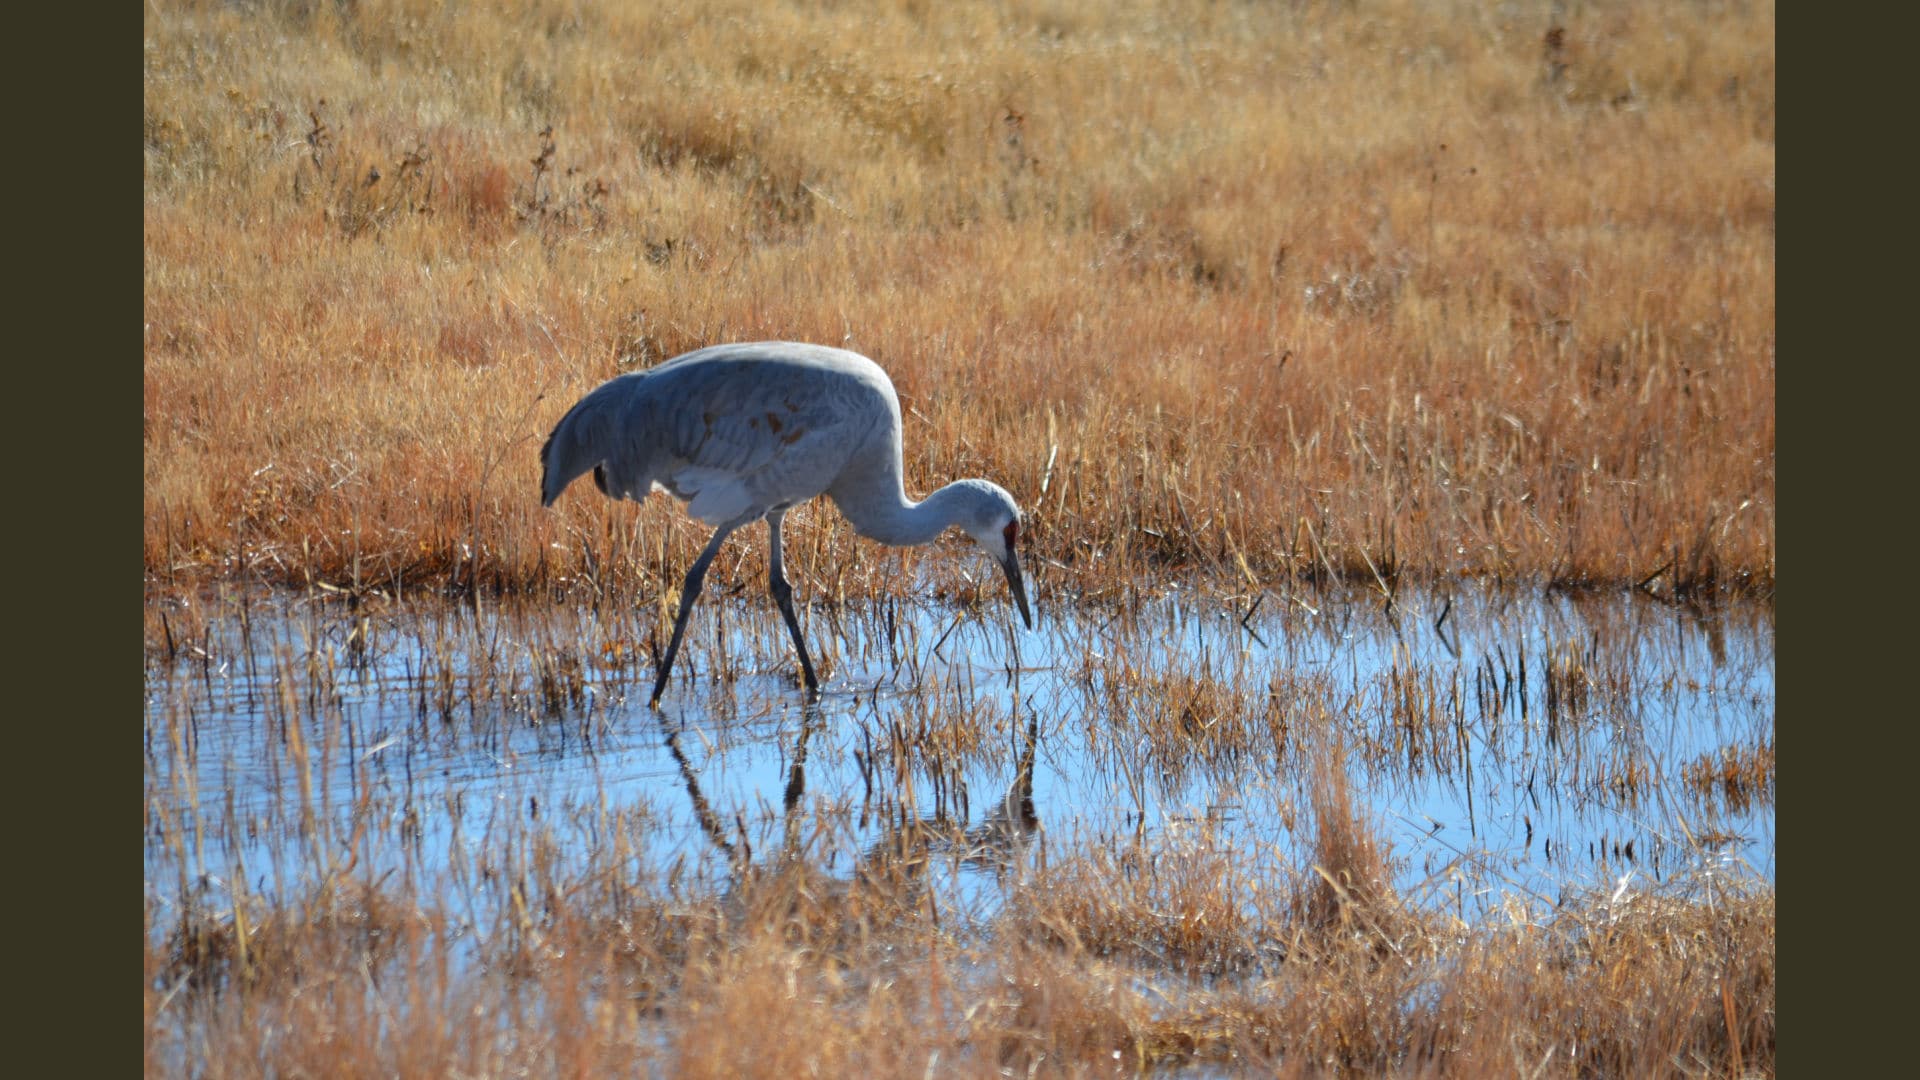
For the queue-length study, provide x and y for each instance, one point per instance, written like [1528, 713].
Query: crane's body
[746, 431]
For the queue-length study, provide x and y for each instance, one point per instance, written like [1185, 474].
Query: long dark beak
[1019, 585]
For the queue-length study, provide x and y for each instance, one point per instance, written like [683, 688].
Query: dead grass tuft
[1737, 776]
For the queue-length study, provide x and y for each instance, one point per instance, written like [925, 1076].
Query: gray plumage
[742, 432]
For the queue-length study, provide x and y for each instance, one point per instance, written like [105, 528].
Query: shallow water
[1527, 746]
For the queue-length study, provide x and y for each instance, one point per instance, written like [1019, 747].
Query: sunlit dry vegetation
[1300, 314]
[1604, 989]
[1270, 290]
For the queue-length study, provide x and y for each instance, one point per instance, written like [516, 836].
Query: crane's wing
[730, 429]
[594, 433]
[760, 434]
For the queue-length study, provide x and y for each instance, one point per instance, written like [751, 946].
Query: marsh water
[1505, 745]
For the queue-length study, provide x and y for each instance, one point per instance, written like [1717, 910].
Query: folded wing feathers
[727, 438]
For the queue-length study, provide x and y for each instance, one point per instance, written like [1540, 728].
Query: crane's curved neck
[880, 510]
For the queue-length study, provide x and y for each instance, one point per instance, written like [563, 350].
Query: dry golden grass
[1264, 289]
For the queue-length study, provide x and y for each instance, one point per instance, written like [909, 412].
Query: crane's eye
[1012, 533]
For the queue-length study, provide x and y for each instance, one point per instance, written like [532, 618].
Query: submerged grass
[879, 905]
[1153, 954]
[1280, 292]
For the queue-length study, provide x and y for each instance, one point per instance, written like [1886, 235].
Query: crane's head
[992, 518]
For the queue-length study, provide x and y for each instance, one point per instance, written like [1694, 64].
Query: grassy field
[1269, 289]
[1274, 299]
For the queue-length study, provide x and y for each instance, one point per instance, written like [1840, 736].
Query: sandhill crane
[746, 431]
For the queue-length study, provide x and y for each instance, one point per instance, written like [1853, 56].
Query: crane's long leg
[783, 595]
[690, 592]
